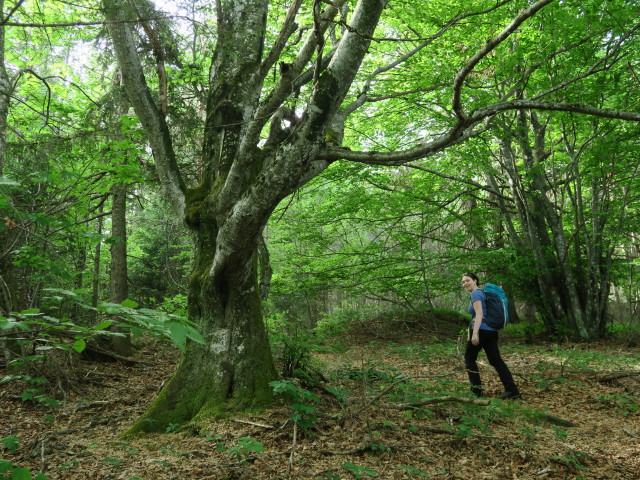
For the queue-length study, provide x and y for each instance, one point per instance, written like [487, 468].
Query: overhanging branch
[74, 24]
[465, 130]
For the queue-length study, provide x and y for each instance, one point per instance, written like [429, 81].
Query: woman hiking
[482, 336]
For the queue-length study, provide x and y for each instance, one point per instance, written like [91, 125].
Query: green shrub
[176, 305]
[624, 331]
[302, 402]
[244, 449]
[12, 444]
[525, 330]
[291, 342]
[44, 336]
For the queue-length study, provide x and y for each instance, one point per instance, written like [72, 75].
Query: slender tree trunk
[119, 290]
[80, 267]
[95, 288]
[5, 96]
[9, 348]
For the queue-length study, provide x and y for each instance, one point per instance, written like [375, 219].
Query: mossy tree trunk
[241, 185]
[233, 368]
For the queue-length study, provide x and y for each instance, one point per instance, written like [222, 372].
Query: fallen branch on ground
[399, 381]
[268, 427]
[617, 376]
[483, 402]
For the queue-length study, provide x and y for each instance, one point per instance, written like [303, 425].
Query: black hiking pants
[488, 343]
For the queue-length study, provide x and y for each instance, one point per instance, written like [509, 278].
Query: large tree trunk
[234, 366]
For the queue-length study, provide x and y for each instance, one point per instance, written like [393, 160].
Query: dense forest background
[495, 137]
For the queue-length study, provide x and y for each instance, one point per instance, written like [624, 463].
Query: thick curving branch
[464, 130]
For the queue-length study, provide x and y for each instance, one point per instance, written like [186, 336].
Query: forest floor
[390, 405]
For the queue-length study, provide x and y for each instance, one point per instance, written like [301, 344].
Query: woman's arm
[477, 321]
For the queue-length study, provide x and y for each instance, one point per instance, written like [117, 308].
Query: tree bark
[119, 289]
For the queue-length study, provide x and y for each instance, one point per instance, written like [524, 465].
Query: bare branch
[10, 14]
[601, 63]
[44, 81]
[492, 190]
[491, 110]
[527, 74]
[75, 24]
[362, 98]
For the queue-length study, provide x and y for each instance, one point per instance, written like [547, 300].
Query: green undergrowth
[404, 387]
[534, 332]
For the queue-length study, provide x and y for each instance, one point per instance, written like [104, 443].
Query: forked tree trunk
[241, 185]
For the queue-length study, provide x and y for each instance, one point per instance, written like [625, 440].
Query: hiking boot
[510, 396]
[477, 392]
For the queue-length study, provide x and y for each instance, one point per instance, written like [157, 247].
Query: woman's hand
[475, 338]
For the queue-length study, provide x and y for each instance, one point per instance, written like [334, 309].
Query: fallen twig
[293, 447]
[43, 463]
[94, 404]
[399, 381]
[557, 420]
[261, 425]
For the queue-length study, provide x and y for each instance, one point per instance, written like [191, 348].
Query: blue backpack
[497, 306]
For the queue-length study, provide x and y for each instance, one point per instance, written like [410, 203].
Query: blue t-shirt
[476, 295]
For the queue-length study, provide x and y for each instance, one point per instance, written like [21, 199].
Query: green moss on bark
[195, 405]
